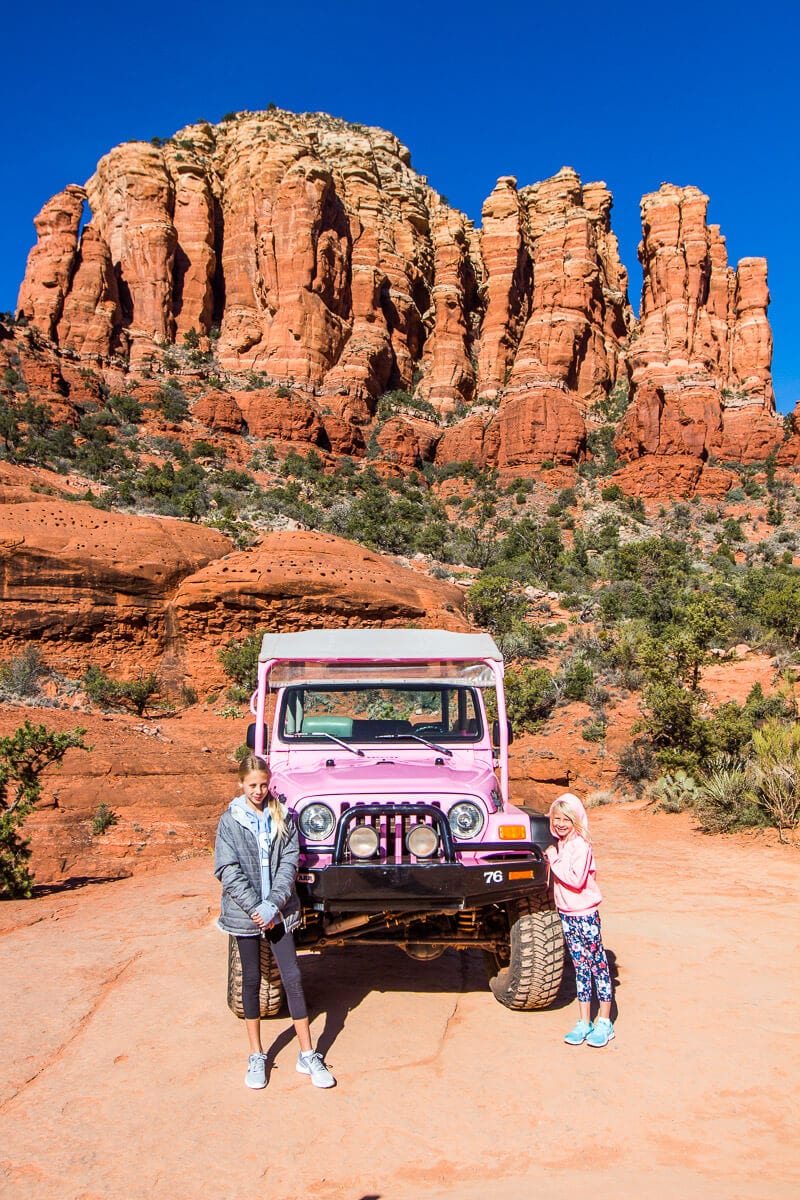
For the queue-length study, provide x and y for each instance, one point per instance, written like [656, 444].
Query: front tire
[527, 973]
[270, 995]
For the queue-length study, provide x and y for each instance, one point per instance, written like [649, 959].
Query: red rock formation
[219, 412]
[700, 360]
[653, 477]
[70, 573]
[269, 415]
[92, 314]
[48, 276]
[407, 442]
[506, 288]
[578, 306]
[132, 198]
[538, 425]
[333, 269]
[306, 580]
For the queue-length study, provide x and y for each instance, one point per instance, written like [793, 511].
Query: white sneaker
[256, 1076]
[312, 1064]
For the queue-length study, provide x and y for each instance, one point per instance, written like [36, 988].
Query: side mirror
[496, 733]
[251, 737]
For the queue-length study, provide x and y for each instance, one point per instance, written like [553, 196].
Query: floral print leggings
[585, 944]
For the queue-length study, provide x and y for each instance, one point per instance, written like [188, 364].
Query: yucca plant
[727, 800]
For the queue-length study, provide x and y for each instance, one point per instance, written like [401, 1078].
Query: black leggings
[281, 944]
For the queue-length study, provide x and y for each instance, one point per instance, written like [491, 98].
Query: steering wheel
[433, 727]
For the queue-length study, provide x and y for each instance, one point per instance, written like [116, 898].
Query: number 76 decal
[492, 876]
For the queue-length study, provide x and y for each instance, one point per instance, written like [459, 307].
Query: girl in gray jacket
[255, 860]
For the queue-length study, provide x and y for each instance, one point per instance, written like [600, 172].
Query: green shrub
[578, 678]
[136, 694]
[637, 762]
[24, 755]
[103, 819]
[172, 404]
[530, 696]
[776, 773]
[726, 799]
[240, 663]
[21, 676]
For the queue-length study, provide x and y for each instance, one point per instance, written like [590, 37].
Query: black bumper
[420, 887]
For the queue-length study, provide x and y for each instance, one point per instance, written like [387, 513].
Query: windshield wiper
[339, 742]
[393, 737]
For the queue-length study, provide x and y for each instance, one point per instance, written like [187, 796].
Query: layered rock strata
[317, 257]
[700, 359]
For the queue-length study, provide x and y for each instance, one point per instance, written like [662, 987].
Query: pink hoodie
[572, 865]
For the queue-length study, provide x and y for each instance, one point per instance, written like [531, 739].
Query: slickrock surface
[125, 591]
[313, 254]
[123, 1069]
[70, 573]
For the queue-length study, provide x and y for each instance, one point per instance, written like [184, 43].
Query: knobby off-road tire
[531, 976]
[270, 996]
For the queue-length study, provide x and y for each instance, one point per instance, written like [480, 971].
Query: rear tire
[529, 975]
[270, 996]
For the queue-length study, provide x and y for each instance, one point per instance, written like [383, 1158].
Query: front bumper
[421, 887]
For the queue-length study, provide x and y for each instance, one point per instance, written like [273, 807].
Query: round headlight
[317, 822]
[363, 841]
[422, 841]
[466, 820]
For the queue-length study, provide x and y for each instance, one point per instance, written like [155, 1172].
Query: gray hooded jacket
[238, 868]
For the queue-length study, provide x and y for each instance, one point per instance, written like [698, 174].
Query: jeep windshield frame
[370, 712]
[388, 656]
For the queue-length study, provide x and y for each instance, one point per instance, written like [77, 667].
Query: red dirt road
[122, 1069]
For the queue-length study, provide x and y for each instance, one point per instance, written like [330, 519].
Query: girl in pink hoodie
[577, 897]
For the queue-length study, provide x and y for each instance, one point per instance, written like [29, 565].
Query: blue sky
[699, 93]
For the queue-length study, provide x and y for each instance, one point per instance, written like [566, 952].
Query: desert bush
[637, 762]
[726, 800]
[136, 694]
[775, 773]
[240, 663]
[577, 679]
[24, 755]
[21, 676]
[103, 819]
[530, 696]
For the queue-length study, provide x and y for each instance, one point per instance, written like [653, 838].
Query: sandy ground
[122, 1069]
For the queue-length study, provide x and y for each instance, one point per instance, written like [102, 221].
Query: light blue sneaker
[311, 1063]
[578, 1035]
[256, 1076]
[602, 1033]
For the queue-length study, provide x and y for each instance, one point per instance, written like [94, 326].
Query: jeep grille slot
[392, 823]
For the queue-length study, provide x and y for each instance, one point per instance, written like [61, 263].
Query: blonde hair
[565, 809]
[250, 763]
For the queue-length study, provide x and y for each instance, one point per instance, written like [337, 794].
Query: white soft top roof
[379, 645]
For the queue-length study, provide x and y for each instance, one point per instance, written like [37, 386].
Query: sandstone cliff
[125, 592]
[309, 251]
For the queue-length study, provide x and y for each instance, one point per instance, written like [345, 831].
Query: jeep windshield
[392, 712]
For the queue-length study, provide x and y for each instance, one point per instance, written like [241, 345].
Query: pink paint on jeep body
[360, 771]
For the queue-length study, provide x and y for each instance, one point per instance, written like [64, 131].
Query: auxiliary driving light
[466, 820]
[363, 841]
[317, 822]
[422, 841]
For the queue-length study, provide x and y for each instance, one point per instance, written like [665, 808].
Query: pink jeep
[384, 747]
